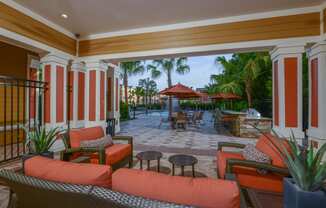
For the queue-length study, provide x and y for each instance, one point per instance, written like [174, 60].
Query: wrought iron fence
[21, 107]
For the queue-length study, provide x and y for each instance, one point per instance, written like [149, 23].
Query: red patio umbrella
[225, 96]
[180, 91]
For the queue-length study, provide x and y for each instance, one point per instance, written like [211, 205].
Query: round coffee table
[182, 161]
[149, 155]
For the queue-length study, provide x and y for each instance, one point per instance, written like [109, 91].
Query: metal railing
[21, 107]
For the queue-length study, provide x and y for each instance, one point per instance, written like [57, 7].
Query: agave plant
[40, 139]
[304, 163]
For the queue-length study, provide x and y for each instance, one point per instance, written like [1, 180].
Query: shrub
[124, 111]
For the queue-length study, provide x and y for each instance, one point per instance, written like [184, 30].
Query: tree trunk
[137, 99]
[248, 92]
[146, 101]
[170, 98]
[125, 83]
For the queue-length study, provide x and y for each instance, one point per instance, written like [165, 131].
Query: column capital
[287, 50]
[55, 58]
[317, 48]
[96, 65]
[78, 66]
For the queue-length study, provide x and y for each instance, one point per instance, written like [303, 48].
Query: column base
[317, 133]
[287, 132]
[95, 123]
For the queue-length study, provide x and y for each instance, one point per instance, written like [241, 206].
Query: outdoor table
[182, 161]
[149, 155]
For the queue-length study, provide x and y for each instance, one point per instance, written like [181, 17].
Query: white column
[287, 90]
[114, 75]
[55, 73]
[94, 112]
[317, 91]
[77, 69]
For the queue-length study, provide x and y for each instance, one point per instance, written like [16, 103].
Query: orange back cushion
[199, 192]
[77, 135]
[268, 146]
[67, 172]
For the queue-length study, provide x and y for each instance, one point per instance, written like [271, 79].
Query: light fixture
[64, 16]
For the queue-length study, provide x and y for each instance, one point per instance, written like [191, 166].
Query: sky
[201, 68]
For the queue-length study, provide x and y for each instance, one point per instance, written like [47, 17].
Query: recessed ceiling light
[64, 16]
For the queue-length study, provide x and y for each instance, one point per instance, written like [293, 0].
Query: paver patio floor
[200, 142]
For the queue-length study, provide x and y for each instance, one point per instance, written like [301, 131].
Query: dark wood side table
[265, 199]
[182, 161]
[148, 156]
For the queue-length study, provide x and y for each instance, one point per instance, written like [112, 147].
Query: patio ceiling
[87, 17]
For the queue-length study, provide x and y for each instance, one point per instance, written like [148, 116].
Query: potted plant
[306, 186]
[40, 140]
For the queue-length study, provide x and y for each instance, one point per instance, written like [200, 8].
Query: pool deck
[200, 141]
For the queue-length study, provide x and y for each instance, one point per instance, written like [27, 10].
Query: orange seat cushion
[221, 161]
[199, 192]
[248, 177]
[114, 153]
[267, 144]
[67, 172]
[78, 135]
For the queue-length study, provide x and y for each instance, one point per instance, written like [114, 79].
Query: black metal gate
[21, 107]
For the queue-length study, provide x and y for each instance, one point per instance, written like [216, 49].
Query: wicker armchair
[102, 155]
[30, 192]
[249, 173]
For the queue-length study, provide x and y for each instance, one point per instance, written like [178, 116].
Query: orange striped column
[77, 95]
[287, 90]
[54, 73]
[95, 93]
[114, 94]
[317, 96]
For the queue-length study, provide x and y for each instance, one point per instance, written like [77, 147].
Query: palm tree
[147, 84]
[168, 66]
[240, 73]
[130, 68]
[139, 92]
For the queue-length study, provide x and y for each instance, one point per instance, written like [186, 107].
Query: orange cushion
[267, 145]
[200, 192]
[114, 153]
[248, 177]
[78, 135]
[67, 172]
[221, 158]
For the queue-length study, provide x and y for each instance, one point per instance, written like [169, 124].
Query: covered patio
[60, 76]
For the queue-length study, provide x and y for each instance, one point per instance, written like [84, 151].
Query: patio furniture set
[182, 119]
[105, 182]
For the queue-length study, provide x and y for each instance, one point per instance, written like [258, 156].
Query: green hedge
[124, 112]
[154, 106]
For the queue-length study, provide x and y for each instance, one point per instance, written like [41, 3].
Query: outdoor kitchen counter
[250, 127]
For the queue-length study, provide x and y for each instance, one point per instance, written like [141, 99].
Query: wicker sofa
[31, 192]
[53, 183]
[118, 155]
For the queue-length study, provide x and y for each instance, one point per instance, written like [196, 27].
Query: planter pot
[294, 197]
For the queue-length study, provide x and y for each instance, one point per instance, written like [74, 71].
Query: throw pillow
[250, 152]
[105, 141]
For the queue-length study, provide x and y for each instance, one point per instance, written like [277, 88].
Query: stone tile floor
[200, 141]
